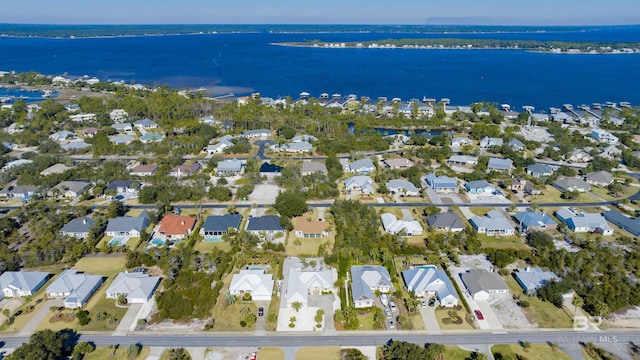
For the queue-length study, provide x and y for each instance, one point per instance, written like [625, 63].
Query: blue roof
[478, 184]
[440, 182]
[79, 225]
[265, 223]
[626, 223]
[534, 218]
[498, 163]
[115, 184]
[222, 223]
[270, 168]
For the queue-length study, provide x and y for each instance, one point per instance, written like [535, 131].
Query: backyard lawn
[304, 247]
[536, 352]
[102, 265]
[207, 247]
[502, 242]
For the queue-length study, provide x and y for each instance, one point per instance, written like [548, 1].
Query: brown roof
[307, 226]
[145, 168]
[176, 225]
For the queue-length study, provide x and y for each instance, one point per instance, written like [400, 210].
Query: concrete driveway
[31, 326]
[430, 319]
[324, 302]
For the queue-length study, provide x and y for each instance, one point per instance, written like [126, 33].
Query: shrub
[243, 323]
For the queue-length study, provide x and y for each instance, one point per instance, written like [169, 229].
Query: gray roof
[145, 123]
[361, 165]
[428, 278]
[478, 184]
[401, 184]
[626, 223]
[19, 189]
[23, 280]
[222, 223]
[76, 186]
[79, 225]
[80, 286]
[229, 165]
[441, 182]
[477, 280]
[539, 169]
[566, 183]
[309, 167]
[265, 223]
[363, 182]
[516, 144]
[530, 279]
[449, 220]
[134, 285]
[493, 221]
[127, 184]
[127, 223]
[122, 139]
[364, 278]
[599, 177]
[575, 220]
[499, 164]
[75, 145]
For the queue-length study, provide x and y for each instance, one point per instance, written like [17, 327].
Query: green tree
[84, 348]
[43, 345]
[290, 203]
[297, 305]
[133, 350]
[83, 317]
[178, 354]
[352, 354]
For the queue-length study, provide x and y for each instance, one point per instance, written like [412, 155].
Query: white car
[424, 304]
[393, 307]
[384, 298]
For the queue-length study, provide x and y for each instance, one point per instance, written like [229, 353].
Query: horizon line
[317, 24]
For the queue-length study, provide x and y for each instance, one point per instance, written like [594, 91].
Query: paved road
[349, 339]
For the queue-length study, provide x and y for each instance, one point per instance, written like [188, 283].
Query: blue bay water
[247, 62]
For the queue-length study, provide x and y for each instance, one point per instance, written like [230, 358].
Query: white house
[604, 136]
[21, 283]
[137, 287]
[428, 281]
[403, 187]
[393, 226]
[76, 287]
[359, 183]
[254, 282]
[302, 283]
[365, 281]
[118, 115]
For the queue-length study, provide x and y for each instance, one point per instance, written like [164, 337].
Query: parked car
[384, 298]
[393, 307]
[260, 311]
[424, 303]
[391, 324]
[254, 356]
[432, 302]
[387, 312]
[479, 315]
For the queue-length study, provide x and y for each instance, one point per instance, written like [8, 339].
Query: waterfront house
[441, 183]
[21, 283]
[564, 183]
[137, 287]
[304, 227]
[267, 225]
[599, 178]
[479, 187]
[310, 167]
[534, 220]
[579, 221]
[229, 167]
[78, 228]
[144, 170]
[498, 164]
[402, 187]
[482, 284]
[492, 224]
[562, 117]
[366, 281]
[127, 226]
[392, 225]
[176, 227]
[359, 183]
[184, 170]
[531, 279]
[427, 281]
[70, 189]
[75, 287]
[540, 171]
[398, 163]
[254, 282]
[362, 166]
[218, 225]
[145, 124]
[604, 136]
[447, 221]
[301, 283]
[625, 223]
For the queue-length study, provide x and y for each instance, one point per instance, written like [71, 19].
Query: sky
[419, 12]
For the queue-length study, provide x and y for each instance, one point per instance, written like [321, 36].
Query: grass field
[104, 352]
[270, 353]
[603, 192]
[502, 242]
[366, 322]
[307, 247]
[443, 313]
[318, 353]
[552, 195]
[455, 352]
[542, 312]
[101, 265]
[479, 211]
[536, 352]
[207, 247]
[228, 318]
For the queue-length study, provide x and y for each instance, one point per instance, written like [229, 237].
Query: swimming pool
[213, 239]
[157, 241]
[118, 240]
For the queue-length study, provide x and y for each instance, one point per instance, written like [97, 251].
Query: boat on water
[47, 94]
[6, 98]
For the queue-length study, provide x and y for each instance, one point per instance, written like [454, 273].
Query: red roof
[176, 225]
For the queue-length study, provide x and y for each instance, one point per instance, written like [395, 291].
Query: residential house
[144, 170]
[398, 163]
[16, 164]
[392, 225]
[294, 147]
[564, 183]
[19, 192]
[304, 138]
[71, 188]
[122, 127]
[83, 117]
[625, 223]
[535, 221]
[359, 183]
[90, 132]
[584, 222]
[516, 145]
[517, 184]
[482, 284]
[492, 224]
[223, 143]
[258, 133]
[447, 221]
[300, 284]
[463, 160]
[579, 156]
[150, 137]
[427, 281]
[121, 140]
[118, 115]
[268, 225]
[78, 228]
[270, 170]
[441, 183]
[145, 124]
[365, 281]
[604, 136]
[217, 225]
[402, 187]
[310, 167]
[498, 164]
[479, 187]
[75, 145]
[136, 286]
[229, 167]
[307, 228]
[459, 142]
[362, 166]
[254, 282]
[123, 187]
[76, 287]
[185, 170]
[55, 169]
[540, 171]
[21, 283]
[176, 227]
[531, 279]
[599, 178]
[487, 142]
[63, 135]
[127, 225]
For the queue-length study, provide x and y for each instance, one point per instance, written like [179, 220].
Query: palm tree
[245, 310]
[296, 306]
[576, 302]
